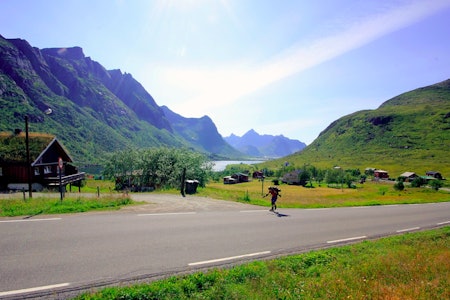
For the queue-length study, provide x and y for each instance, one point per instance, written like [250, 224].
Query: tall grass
[410, 266]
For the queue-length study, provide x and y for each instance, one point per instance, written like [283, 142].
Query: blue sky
[278, 67]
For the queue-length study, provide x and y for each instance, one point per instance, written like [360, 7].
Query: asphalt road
[57, 256]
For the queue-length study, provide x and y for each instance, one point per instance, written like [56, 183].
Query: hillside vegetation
[410, 132]
[91, 110]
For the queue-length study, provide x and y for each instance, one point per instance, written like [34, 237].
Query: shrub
[399, 186]
[417, 182]
[436, 184]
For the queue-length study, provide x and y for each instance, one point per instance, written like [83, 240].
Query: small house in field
[47, 159]
[240, 177]
[381, 174]
[434, 174]
[409, 176]
[258, 175]
[292, 177]
[229, 180]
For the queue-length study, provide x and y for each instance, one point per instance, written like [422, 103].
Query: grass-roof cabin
[45, 153]
[408, 176]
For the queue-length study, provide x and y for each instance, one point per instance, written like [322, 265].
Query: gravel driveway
[158, 203]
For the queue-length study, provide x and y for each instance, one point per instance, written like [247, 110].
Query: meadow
[319, 196]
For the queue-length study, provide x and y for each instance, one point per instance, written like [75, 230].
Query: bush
[399, 186]
[436, 184]
[417, 182]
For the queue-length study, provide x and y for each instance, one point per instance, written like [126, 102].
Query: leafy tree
[348, 179]
[157, 167]
[353, 172]
[320, 175]
[399, 186]
[120, 166]
[333, 176]
[436, 184]
[304, 177]
[417, 182]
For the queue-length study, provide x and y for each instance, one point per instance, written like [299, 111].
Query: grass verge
[52, 205]
[409, 266]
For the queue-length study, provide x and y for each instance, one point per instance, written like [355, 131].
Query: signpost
[60, 168]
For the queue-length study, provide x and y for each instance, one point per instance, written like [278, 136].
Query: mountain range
[264, 146]
[94, 111]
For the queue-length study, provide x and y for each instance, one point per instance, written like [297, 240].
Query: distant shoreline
[219, 165]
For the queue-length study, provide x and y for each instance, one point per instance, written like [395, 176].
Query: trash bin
[191, 186]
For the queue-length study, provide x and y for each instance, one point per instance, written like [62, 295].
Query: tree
[417, 182]
[304, 177]
[157, 167]
[399, 186]
[120, 167]
[333, 176]
[436, 184]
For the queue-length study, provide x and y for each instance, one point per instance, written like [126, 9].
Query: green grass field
[292, 196]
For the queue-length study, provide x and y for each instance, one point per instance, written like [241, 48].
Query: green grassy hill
[410, 132]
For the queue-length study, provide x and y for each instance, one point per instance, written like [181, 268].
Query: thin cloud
[223, 85]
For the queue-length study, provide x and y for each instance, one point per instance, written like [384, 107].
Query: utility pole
[27, 145]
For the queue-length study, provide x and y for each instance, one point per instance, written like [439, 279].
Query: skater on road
[275, 192]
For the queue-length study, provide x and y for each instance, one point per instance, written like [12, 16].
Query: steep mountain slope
[201, 132]
[94, 111]
[256, 145]
[410, 132]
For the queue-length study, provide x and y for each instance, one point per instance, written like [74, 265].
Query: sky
[285, 67]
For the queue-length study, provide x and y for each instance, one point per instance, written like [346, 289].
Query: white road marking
[347, 239]
[168, 214]
[407, 229]
[30, 220]
[228, 258]
[442, 223]
[35, 289]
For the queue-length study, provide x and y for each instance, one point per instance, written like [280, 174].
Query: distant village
[292, 178]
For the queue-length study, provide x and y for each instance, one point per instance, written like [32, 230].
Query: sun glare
[182, 5]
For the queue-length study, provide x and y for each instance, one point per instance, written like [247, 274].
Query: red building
[47, 158]
[381, 174]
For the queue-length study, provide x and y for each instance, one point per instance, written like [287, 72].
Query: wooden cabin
[292, 177]
[408, 176]
[434, 174]
[381, 174]
[47, 159]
